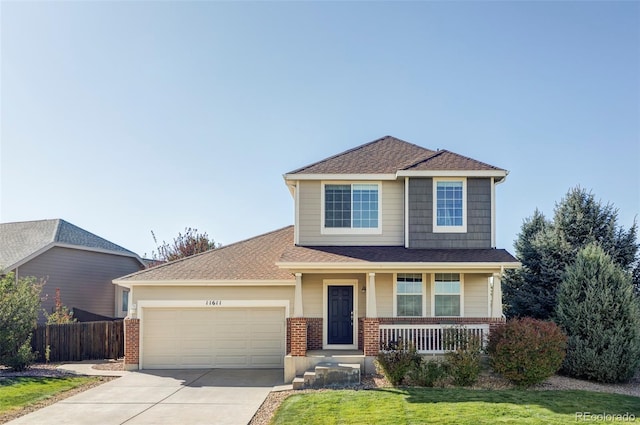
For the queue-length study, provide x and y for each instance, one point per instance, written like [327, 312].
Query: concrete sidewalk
[86, 368]
[210, 396]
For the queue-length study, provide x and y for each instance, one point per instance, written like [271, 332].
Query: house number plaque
[213, 302]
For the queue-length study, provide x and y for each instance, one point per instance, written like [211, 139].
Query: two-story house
[390, 240]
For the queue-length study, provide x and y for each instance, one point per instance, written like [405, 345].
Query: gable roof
[23, 240]
[390, 155]
[251, 259]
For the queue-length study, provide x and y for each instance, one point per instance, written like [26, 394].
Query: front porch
[348, 317]
[426, 334]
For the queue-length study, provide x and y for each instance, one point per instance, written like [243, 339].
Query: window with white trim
[351, 206]
[447, 294]
[449, 205]
[409, 294]
[125, 300]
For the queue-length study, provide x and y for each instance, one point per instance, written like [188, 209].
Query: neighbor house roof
[23, 240]
[268, 257]
[251, 259]
[389, 155]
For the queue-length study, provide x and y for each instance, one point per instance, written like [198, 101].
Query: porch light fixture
[364, 289]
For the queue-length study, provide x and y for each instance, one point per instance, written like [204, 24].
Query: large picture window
[447, 294]
[409, 294]
[449, 209]
[351, 206]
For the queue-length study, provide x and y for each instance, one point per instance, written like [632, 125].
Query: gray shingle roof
[20, 240]
[389, 155]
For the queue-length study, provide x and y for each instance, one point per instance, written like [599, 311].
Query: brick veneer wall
[288, 335]
[298, 327]
[361, 333]
[371, 336]
[314, 333]
[131, 341]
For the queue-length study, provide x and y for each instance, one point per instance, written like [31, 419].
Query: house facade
[79, 263]
[390, 241]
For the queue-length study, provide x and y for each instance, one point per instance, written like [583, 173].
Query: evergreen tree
[545, 249]
[601, 317]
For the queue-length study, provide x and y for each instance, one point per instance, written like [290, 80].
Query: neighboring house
[390, 240]
[78, 262]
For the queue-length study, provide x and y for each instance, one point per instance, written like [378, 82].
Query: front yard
[453, 406]
[20, 394]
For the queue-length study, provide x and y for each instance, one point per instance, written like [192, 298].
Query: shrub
[23, 358]
[396, 360]
[428, 373]
[464, 361]
[599, 312]
[526, 351]
[19, 303]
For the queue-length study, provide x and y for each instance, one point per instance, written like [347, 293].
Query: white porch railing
[431, 339]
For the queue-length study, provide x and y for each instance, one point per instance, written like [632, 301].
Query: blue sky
[127, 117]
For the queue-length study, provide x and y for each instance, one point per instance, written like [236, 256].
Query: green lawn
[22, 391]
[450, 406]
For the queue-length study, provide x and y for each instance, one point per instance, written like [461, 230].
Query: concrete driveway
[211, 396]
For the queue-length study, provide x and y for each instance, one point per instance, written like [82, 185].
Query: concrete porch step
[326, 375]
[298, 383]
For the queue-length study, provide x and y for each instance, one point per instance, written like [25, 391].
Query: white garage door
[174, 338]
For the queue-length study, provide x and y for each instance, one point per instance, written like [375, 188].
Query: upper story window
[449, 205]
[351, 208]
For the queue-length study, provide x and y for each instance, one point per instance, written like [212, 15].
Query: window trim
[350, 230]
[433, 293]
[449, 229]
[424, 293]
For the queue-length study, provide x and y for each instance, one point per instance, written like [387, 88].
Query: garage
[230, 337]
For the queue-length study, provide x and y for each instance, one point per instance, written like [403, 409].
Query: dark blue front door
[340, 315]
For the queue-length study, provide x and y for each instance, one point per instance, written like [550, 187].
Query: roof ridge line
[338, 155]
[56, 234]
[433, 155]
[301, 169]
[441, 151]
[472, 159]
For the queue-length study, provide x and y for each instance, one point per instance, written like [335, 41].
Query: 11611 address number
[213, 302]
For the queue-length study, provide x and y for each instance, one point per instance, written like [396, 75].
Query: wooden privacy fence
[79, 341]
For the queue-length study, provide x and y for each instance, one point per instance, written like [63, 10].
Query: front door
[340, 314]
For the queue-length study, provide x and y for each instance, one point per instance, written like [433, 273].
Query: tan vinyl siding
[310, 220]
[84, 278]
[186, 292]
[384, 294]
[312, 297]
[476, 295]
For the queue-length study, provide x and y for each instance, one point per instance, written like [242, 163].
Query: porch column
[372, 310]
[131, 343]
[297, 297]
[371, 336]
[298, 329]
[496, 299]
